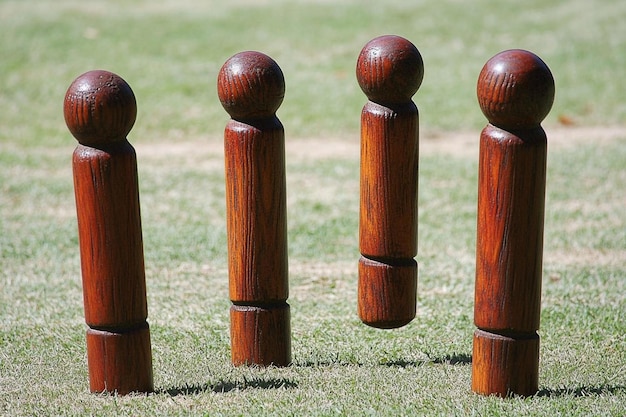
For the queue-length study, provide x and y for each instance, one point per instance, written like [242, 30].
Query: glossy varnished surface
[109, 231]
[505, 365]
[251, 88]
[100, 110]
[515, 91]
[389, 70]
[120, 362]
[389, 169]
[512, 178]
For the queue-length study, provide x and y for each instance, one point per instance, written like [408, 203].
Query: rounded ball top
[99, 108]
[389, 69]
[250, 85]
[515, 89]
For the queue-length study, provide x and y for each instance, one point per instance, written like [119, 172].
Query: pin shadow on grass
[450, 359]
[581, 391]
[227, 386]
[454, 359]
[329, 363]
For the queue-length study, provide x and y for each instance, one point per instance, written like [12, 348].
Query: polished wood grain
[100, 110]
[387, 292]
[515, 92]
[251, 88]
[389, 71]
[109, 231]
[119, 362]
[508, 365]
[512, 177]
[260, 335]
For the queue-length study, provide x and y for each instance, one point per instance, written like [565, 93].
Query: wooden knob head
[389, 69]
[250, 85]
[100, 108]
[515, 89]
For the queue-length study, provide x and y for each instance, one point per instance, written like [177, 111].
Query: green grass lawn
[170, 53]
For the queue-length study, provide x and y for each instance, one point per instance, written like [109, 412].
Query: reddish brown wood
[109, 228]
[509, 365]
[251, 87]
[515, 92]
[254, 331]
[512, 177]
[387, 292]
[119, 361]
[100, 110]
[389, 71]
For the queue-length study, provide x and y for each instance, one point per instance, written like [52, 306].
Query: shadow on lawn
[454, 359]
[581, 391]
[227, 386]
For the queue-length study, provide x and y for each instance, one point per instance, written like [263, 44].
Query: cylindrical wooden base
[260, 335]
[503, 365]
[387, 293]
[120, 362]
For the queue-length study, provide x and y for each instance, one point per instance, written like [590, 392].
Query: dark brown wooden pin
[389, 70]
[515, 92]
[251, 87]
[100, 110]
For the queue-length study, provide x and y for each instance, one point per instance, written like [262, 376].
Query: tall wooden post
[389, 71]
[515, 92]
[100, 110]
[251, 87]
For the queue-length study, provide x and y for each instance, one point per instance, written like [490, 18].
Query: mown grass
[170, 53]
